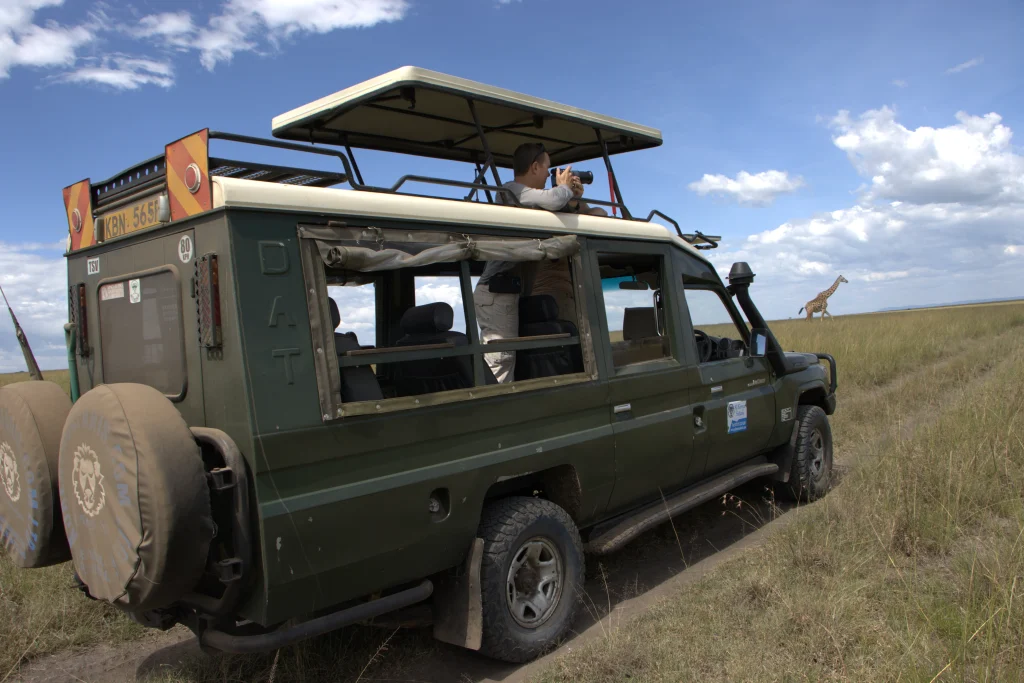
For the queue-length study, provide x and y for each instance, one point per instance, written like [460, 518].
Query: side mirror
[758, 343]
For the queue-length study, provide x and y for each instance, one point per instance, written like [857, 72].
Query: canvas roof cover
[416, 111]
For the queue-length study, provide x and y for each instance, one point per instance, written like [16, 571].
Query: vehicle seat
[640, 339]
[432, 324]
[357, 383]
[538, 315]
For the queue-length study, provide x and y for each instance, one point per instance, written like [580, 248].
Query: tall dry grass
[912, 564]
[912, 569]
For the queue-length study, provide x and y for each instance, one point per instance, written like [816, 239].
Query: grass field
[911, 569]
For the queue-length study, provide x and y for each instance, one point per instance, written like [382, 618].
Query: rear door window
[141, 332]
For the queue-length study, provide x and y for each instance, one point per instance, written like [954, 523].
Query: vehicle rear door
[146, 317]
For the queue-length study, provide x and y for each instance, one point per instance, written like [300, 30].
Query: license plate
[131, 218]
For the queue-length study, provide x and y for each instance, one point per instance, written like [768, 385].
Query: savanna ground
[912, 568]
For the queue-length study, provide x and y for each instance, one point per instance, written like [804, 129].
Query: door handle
[698, 420]
[622, 408]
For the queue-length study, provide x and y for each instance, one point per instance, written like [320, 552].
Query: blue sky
[817, 138]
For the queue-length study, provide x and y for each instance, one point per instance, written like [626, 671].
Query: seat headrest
[428, 319]
[335, 313]
[639, 323]
[539, 308]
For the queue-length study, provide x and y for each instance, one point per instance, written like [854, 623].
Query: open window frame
[368, 247]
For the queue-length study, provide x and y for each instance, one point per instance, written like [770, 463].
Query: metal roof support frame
[611, 172]
[489, 158]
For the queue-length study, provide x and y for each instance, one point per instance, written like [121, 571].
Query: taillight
[208, 301]
[78, 317]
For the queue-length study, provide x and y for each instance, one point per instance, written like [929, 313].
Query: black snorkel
[740, 279]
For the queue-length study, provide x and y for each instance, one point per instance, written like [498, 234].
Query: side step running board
[614, 534]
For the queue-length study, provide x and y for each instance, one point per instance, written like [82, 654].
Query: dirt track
[618, 586]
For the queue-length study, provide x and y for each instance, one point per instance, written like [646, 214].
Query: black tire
[810, 475]
[510, 527]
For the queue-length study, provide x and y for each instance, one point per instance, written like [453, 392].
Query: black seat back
[358, 383]
[538, 315]
[431, 324]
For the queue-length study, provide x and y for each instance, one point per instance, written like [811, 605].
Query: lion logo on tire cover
[87, 481]
[9, 472]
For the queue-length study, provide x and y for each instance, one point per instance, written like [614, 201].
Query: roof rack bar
[352, 158]
[250, 140]
[489, 159]
[701, 241]
[481, 171]
[452, 183]
[275, 171]
[615, 183]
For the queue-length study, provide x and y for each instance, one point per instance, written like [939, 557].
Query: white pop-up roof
[416, 111]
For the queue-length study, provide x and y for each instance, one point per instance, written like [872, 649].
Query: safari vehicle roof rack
[416, 111]
[408, 110]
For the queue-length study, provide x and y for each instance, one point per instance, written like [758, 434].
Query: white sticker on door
[737, 414]
[134, 291]
[92, 266]
[114, 290]
[786, 414]
[185, 249]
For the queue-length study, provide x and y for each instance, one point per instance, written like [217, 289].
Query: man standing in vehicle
[496, 296]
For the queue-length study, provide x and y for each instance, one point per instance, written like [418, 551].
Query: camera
[586, 177]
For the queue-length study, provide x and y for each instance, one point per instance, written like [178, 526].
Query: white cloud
[758, 189]
[34, 277]
[240, 24]
[24, 43]
[123, 73]
[166, 24]
[899, 83]
[237, 26]
[964, 66]
[950, 228]
[970, 162]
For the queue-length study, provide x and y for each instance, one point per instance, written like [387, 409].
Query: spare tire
[135, 499]
[32, 415]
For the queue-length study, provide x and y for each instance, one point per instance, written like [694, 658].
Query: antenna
[26, 350]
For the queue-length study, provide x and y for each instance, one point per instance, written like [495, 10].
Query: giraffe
[819, 304]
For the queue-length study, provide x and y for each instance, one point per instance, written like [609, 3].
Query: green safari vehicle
[283, 416]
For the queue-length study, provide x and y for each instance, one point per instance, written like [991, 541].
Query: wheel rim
[534, 583]
[817, 444]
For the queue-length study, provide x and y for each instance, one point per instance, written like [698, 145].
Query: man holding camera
[496, 297]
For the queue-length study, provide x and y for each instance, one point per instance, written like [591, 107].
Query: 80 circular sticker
[185, 249]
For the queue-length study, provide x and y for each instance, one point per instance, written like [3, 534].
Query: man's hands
[566, 178]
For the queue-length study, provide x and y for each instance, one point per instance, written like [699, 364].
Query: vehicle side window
[716, 335]
[406, 336]
[631, 291]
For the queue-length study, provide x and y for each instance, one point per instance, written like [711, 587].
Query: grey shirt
[554, 199]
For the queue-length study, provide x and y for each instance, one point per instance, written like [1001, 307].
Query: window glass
[442, 288]
[631, 289]
[141, 332]
[716, 335]
[358, 311]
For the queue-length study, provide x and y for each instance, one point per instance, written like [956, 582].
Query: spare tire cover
[134, 496]
[32, 415]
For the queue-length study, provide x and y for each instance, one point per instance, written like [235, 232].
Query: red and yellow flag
[188, 177]
[78, 204]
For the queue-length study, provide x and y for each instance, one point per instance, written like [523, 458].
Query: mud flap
[458, 612]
